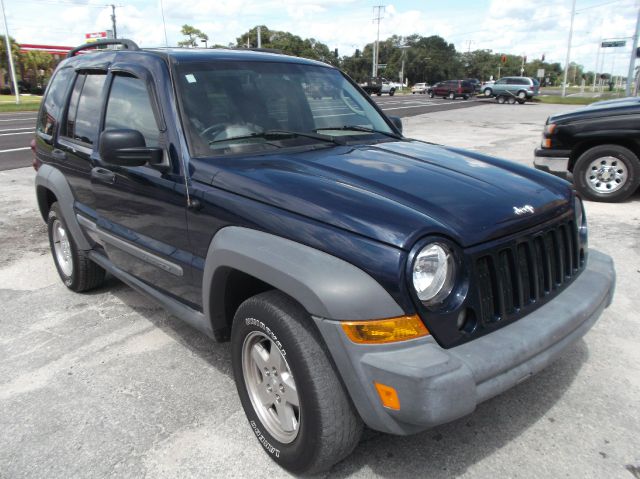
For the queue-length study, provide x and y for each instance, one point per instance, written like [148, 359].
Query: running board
[189, 315]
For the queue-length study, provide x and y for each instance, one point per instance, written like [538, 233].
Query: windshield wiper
[279, 134]
[361, 128]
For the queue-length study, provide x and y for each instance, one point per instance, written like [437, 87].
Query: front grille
[514, 279]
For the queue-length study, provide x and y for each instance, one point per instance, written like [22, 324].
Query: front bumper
[555, 162]
[437, 385]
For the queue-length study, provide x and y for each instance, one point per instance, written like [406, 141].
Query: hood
[620, 106]
[396, 192]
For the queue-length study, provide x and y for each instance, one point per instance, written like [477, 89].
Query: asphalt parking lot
[107, 384]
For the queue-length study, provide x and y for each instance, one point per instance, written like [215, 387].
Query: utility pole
[632, 61]
[377, 17]
[259, 37]
[595, 73]
[9, 55]
[164, 25]
[113, 20]
[566, 63]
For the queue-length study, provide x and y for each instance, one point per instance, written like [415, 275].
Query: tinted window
[501, 82]
[129, 106]
[54, 101]
[84, 108]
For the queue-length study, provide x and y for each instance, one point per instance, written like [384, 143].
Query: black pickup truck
[598, 146]
[361, 277]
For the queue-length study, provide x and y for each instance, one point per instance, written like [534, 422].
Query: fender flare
[324, 285]
[52, 179]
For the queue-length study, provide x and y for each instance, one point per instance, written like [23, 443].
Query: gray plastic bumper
[437, 385]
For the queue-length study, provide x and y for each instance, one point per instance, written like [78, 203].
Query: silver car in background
[524, 88]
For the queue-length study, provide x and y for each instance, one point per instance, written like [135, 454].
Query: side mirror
[127, 148]
[397, 122]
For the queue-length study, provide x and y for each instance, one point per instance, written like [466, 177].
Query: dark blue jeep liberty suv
[362, 277]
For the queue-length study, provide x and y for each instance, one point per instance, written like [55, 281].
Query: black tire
[85, 274]
[512, 100]
[379, 93]
[522, 95]
[501, 99]
[451, 96]
[413, 92]
[626, 156]
[391, 92]
[465, 97]
[329, 426]
[431, 95]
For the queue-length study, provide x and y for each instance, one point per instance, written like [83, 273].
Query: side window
[501, 82]
[129, 106]
[54, 101]
[84, 108]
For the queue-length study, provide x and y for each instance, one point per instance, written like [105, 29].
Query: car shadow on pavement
[216, 354]
[451, 449]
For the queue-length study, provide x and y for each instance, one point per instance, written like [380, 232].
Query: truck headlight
[434, 273]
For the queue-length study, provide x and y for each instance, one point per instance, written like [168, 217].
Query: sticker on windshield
[190, 78]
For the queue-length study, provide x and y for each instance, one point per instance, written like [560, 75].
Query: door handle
[58, 155]
[102, 174]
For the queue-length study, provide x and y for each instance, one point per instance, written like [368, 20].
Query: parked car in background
[477, 84]
[597, 146]
[379, 85]
[420, 88]
[524, 88]
[453, 89]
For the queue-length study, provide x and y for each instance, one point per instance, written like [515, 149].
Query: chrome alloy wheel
[606, 174]
[271, 386]
[62, 248]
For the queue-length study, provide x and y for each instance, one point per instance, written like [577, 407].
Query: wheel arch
[51, 185]
[242, 262]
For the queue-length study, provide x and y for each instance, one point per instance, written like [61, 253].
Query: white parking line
[19, 119]
[19, 133]
[15, 149]
[421, 106]
[12, 129]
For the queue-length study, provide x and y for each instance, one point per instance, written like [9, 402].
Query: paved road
[16, 131]
[16, 128]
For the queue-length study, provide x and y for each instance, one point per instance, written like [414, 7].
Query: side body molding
[52, 179]
[326, 286]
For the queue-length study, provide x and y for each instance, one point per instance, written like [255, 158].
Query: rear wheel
[522, 95]
[293, 399]
[76, 270]
[501, 99]
[607, 173]
[512, 100]
[465, 97]
[391, 92]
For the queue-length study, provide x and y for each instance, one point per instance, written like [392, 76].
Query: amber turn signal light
[378, 331]
[388, 396]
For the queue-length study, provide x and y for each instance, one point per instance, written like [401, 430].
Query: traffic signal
[503, 59]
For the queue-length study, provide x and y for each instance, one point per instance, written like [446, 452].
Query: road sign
[540, 73]
[614, 43]
[382, 65]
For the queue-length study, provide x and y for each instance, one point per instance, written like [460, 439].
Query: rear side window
[129, 106]
[83, 114]
[54, 101]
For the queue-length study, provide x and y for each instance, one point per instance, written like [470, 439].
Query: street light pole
[595, 73]
[566, 63]
[9, 55]
[632, 61]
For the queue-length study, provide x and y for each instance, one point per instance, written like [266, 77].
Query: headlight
[434, 273]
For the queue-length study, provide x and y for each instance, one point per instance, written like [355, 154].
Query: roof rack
[126, 44]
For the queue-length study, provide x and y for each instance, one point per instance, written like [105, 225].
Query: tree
[192, 35]
[5, 76]
[288, 43]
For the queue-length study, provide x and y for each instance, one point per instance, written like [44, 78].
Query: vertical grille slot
[515, 277]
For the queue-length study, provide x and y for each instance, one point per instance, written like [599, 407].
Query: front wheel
[452, 96]
[607, 173]
[293, 399]
[487, 92]
[391, 92]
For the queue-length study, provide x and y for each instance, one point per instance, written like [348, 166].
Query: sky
[531, 28]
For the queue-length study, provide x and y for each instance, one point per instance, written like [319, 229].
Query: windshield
[232, 107]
